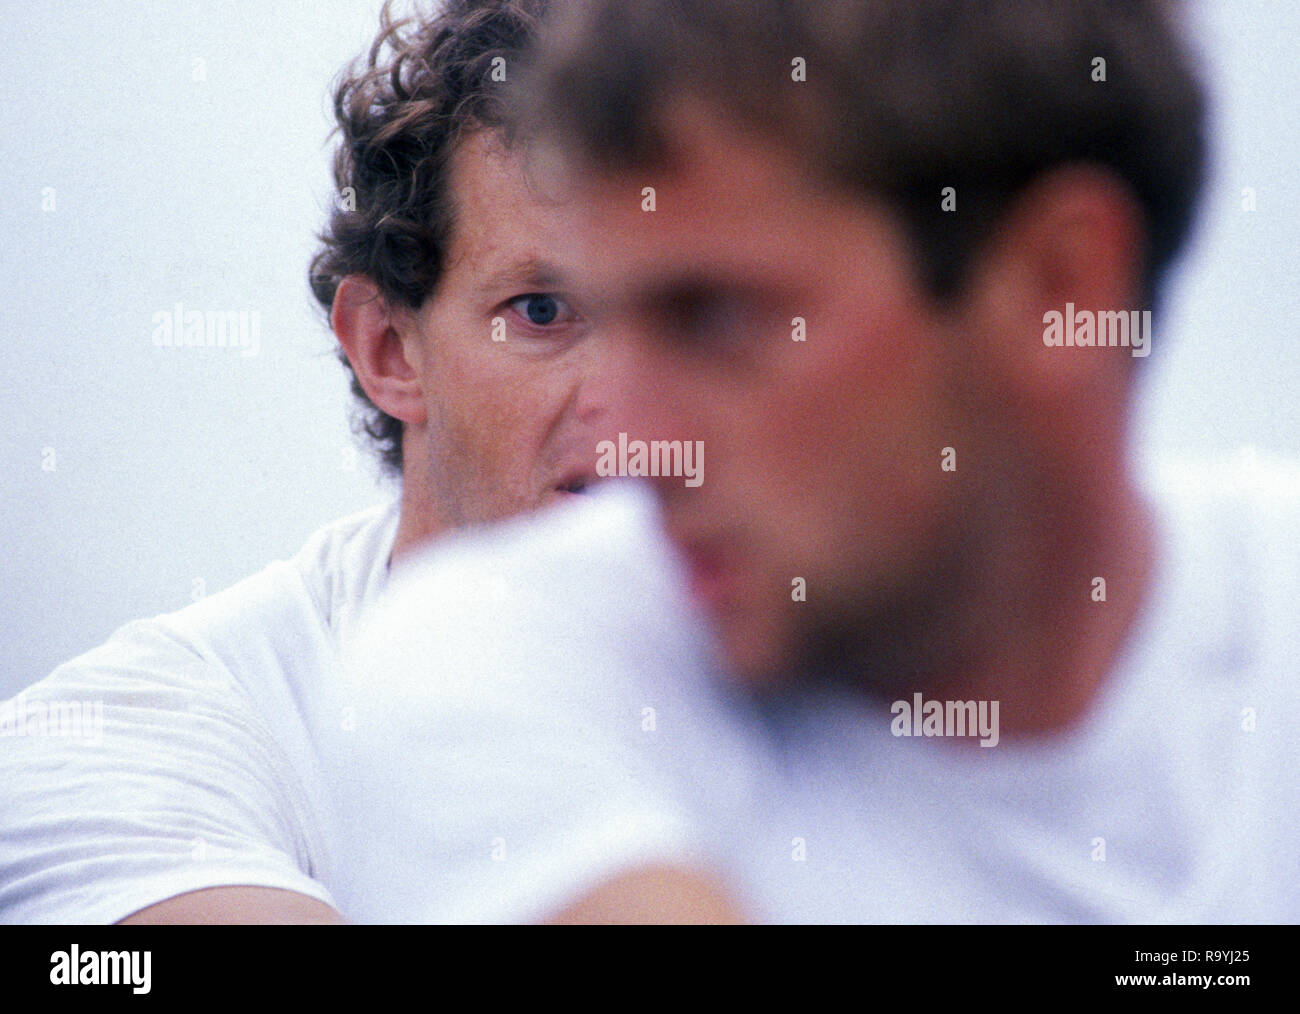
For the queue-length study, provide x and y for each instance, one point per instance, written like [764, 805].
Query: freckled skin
[503, 419]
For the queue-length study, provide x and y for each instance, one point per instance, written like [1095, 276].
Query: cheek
[507, 414]
[857, 433]
[474, 418]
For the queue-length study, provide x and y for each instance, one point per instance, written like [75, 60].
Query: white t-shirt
[536, 710]
[181, 753]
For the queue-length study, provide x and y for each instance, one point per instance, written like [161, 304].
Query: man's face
[824, 478]
[501, 352]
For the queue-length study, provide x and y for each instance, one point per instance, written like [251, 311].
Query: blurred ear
[379, 343]
[1075, 236]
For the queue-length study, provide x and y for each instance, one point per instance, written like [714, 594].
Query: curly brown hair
[429, 79]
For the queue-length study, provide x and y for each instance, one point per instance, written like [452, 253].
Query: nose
[623, 387]
[635, 387]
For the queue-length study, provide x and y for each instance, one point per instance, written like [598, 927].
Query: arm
[236, 905]
[496, 772]
[174, 787]
[661, 895]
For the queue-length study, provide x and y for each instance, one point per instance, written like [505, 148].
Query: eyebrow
[532, 274]
[676, 288]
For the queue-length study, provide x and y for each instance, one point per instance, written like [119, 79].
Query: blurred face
[501, 353]
[823, 478]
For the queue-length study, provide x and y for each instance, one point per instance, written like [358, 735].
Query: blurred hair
[902, 99]
[400, 112]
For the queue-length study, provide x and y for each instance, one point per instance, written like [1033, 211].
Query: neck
[421, 514]
[1045, 641]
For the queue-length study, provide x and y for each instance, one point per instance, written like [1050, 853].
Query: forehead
[484, 172]
[502, 220]
[724, 202]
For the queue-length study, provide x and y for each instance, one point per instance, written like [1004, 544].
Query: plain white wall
[185, 145]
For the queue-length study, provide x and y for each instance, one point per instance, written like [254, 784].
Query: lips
[711, 573]
[575, 482]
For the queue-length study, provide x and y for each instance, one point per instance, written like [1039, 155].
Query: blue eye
[539, 308]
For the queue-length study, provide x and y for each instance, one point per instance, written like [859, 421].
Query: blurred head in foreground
[830, 242]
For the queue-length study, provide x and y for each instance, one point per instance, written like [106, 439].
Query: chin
[754, 653]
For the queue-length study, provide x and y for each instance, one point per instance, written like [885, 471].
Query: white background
[184, 465]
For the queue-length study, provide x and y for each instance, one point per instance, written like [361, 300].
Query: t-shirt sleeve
[498, 768]
[134, 773]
